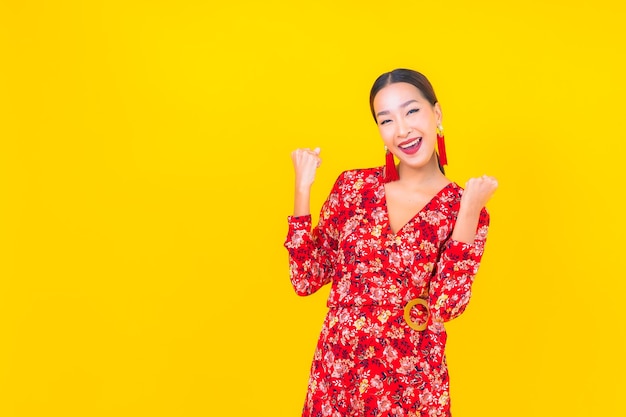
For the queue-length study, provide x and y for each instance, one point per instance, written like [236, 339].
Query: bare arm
[475, 196]
[305, 163]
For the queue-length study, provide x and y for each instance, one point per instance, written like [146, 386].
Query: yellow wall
[145, 182]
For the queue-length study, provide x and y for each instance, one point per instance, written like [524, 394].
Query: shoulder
[450, 199]
[362, 177]
[452, 192]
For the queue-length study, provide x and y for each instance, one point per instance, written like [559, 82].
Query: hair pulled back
[402, 75]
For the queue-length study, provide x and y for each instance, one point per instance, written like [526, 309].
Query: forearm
[466, 225]
[458, 265]
[302, 201]
[310, 267]
[475, 196]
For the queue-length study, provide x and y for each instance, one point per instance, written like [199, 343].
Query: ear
[438, 113]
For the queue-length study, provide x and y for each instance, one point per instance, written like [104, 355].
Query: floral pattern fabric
[368, 361]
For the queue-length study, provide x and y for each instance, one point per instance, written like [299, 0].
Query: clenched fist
[477, 192]
[475, 196]
[305, 163]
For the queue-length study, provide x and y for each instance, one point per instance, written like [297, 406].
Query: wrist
[302, 205]
[469, 211]
[303, 190]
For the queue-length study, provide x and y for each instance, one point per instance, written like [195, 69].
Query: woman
[400, 246]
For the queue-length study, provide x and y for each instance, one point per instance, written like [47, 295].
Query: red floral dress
[368, 361]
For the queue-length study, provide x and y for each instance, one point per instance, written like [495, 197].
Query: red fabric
[368, 362]
[441, 147]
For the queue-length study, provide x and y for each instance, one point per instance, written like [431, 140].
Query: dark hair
[401, 75]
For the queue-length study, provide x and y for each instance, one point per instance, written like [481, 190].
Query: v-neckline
[428, 203]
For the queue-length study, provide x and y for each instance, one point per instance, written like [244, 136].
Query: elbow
[448, 306]
[302, 287]
[455, 309]
[454, 312]
[302, 293]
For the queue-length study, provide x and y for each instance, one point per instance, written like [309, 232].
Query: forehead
[393, 95]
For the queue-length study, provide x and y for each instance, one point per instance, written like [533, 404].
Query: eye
[412, 111]
[384, 122]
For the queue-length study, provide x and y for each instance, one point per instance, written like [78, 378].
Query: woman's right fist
[305, 163]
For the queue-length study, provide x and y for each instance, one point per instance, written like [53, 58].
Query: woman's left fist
[478, 191]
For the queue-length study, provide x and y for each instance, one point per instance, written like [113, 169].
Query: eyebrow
[384, 112]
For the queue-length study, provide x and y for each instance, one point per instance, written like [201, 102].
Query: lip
[413, 149]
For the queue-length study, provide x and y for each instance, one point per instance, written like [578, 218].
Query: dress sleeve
[313, 252]
[450, 288]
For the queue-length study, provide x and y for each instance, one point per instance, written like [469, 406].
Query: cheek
[386, 133]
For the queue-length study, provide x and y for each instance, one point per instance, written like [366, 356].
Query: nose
[402, 130]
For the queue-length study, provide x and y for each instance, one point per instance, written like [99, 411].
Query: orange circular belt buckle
[407, 314]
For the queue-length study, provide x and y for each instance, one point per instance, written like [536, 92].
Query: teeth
[413, 143]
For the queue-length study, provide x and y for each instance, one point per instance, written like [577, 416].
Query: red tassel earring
[441, 146]
[391, 173]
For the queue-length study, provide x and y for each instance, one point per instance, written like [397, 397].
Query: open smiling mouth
[411, 146]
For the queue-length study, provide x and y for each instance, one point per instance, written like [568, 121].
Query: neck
[429, 174]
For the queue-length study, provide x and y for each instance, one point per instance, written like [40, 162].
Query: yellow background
[145, 182]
